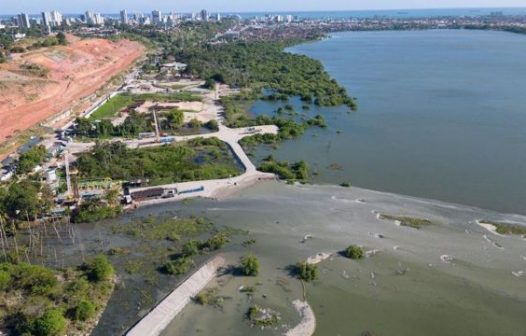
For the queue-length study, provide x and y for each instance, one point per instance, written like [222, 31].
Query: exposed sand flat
[318, 258]
[159, 318]
[307, 326]
[74, 72]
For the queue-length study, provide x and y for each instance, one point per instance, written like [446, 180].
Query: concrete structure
[159, 318]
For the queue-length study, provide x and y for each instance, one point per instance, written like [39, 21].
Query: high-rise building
[204, 15]
[56, 18]
[157, 17]
[94, 19]
[52, 19]
[218, 17]
[46, 19]
[23, 21]
[289, 18]
[124, 17]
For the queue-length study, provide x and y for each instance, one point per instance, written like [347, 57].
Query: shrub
[179, 266]
[99, 269]
[191, 248]
[78, 288]
[85, 310]
[51, 323]
[35, 279]
[354, 252]
[217, 241]
[250, 265]
[5, 280]
[212, 125]
[195, 123]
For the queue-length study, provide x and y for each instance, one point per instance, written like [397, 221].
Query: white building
[56, 18]
[46, 19]
[23, 21]
[94, 19]
[52, 19]
[124, 17]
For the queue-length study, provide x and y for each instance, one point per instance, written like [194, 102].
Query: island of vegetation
[412, 222]
[354, 252]
[506, 228]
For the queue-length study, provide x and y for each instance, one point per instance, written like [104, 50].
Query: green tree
[307, 272]
[61, 37]
[51, 323]
[354, 252]
[175, 118]
[210, 84]
[31, 159]
[250, 265]
[22, 199]
[99, 269]
[212, 125]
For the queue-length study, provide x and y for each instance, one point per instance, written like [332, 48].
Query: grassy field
[112, 107]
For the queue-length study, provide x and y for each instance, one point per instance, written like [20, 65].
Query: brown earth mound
[39, 84]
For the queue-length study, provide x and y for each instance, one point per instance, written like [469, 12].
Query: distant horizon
[273, 11]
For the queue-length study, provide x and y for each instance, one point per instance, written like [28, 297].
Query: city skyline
[35, 6]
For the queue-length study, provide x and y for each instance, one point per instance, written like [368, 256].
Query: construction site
[50, 85]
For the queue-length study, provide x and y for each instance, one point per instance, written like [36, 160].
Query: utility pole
[157, 133]
[68, 178]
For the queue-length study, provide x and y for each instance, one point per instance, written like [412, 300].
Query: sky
[105, 6]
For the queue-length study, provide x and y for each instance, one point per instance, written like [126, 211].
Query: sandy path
[307, 326]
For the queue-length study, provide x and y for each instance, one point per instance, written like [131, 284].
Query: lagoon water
[442, 115]
[407, 288]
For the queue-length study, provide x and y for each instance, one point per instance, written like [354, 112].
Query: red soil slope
[74, 71]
